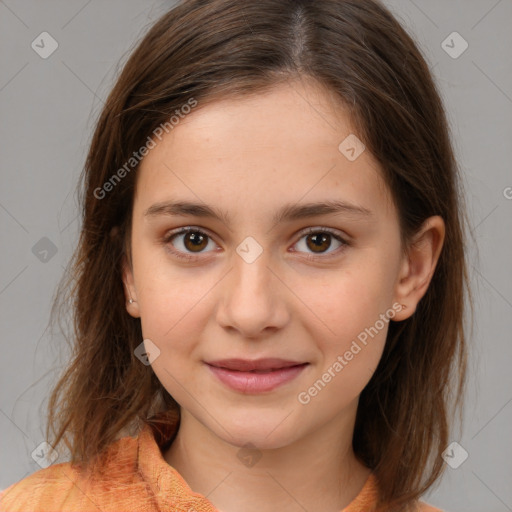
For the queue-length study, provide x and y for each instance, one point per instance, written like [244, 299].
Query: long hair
[205, 50]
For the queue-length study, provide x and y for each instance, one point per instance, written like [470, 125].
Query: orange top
[138, 478]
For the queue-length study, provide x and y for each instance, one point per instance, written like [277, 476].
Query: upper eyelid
[184, 229]
[345, 238]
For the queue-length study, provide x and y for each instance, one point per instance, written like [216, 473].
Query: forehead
[254, 152]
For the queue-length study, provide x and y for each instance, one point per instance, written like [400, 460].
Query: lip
[247, 365]
[256, 376]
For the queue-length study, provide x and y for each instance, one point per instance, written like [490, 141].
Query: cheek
[347, 317]
[172, 315]
[168, 295]
[174, 321]
[346, 301]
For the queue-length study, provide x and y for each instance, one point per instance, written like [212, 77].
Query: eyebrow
[287, 213]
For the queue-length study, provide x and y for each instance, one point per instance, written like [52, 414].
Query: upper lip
[255, 364]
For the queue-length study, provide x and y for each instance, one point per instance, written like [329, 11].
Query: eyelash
[187, 256]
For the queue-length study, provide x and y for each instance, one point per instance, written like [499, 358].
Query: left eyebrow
[287, 213]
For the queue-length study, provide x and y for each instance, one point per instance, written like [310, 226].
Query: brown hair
[210, 49]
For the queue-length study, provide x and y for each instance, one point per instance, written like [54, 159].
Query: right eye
[193, 240]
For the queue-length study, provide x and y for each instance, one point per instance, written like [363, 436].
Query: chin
[259, 441]
[260, 431]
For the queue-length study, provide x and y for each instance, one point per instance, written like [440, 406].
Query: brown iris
[319, 240]
[197, 241]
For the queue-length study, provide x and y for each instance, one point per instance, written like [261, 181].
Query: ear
[418, 266]
[130, 292]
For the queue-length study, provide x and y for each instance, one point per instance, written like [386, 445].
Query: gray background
[47, 113]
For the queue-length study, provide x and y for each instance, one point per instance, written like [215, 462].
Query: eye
[194, 240]
[318, 240]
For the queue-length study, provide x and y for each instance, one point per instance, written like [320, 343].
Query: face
[268, 278]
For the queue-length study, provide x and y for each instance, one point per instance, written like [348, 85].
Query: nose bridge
[252, 275]
[252, 299]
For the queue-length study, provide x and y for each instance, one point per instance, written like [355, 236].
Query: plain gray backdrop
[48, 107]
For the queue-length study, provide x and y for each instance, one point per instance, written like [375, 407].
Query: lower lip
[252, 382]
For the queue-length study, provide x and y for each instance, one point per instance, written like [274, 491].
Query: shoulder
[34, 491]
[67, 486]
[425, 507]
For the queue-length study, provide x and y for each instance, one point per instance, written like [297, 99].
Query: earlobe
[419, 265]
[132, 305]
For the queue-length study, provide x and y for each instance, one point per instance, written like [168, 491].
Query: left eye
[194, 242]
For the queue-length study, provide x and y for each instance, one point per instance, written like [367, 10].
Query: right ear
[130, 292]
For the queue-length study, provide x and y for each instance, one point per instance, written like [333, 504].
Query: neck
[318, 472]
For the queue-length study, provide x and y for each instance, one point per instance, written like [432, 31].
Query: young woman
[270, 281]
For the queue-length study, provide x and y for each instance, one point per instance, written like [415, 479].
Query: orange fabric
[138, 478]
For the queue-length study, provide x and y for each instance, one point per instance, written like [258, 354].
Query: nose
[253, 299]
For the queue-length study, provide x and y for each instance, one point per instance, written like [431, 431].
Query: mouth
[257, 365]
[256, 376]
